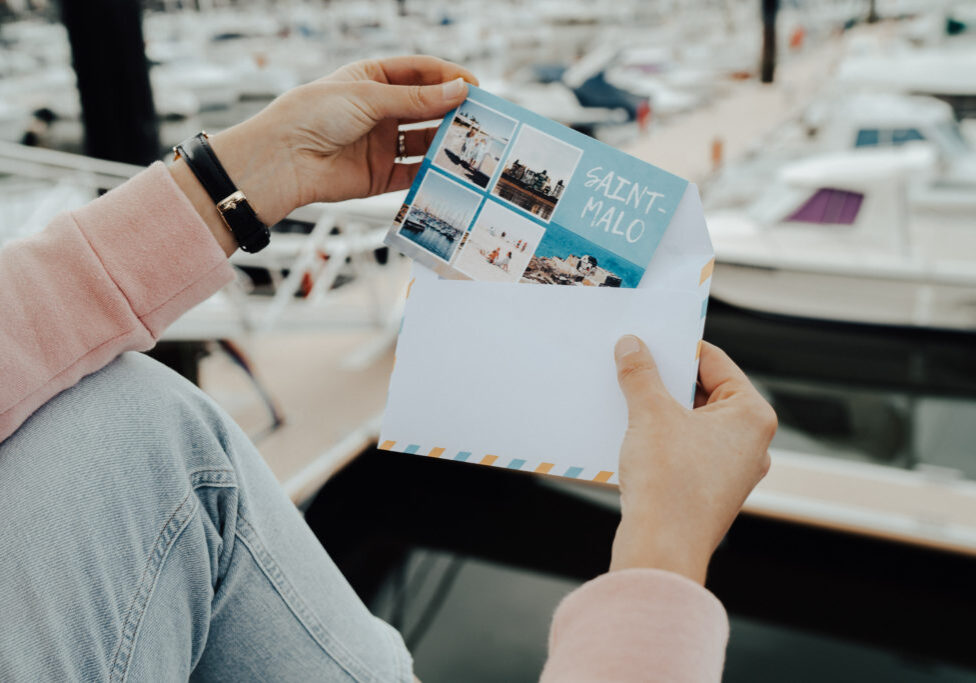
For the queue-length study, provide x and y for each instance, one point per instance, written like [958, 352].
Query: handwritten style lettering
[631, 193]
[611, 217]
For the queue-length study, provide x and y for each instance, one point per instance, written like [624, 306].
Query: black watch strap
[251, 234]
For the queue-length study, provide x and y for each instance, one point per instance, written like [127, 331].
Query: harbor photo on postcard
[499, 246]
[537, 169]
[475, 142]
[440, 213]
[565, 258]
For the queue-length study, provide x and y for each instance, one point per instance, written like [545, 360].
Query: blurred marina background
[834, 144]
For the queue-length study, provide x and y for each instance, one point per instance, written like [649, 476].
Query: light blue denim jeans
[143, 538]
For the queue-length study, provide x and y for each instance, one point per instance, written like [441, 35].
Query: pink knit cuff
[104, 279]
[155, 246]
[638, 625]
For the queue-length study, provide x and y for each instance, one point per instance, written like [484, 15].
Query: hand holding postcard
[502, 373]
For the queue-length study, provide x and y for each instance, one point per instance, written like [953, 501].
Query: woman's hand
[335, 138]
[684, 474]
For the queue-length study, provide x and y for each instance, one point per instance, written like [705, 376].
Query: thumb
[638, 377]
[413, 102]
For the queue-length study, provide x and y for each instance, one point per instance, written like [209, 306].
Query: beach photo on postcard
[537, 169]
[439, 215]
[565, 258]
[499, 246]
[474, 143]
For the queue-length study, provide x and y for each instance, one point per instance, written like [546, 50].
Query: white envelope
[522, 375]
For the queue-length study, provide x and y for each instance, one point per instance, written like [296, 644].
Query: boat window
[867, 137]
[829, 206]
[900, 136]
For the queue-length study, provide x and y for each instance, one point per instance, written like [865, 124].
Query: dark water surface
[904, 397]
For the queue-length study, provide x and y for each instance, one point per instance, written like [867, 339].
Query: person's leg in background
[143, 538]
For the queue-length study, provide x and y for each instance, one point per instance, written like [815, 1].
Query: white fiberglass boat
[862, 122]
[837, 237]
[947, 73]
[890, 120]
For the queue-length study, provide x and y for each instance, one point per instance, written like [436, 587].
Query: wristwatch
[251, 234]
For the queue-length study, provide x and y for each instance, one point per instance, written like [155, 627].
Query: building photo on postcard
[439, 215]
[475, 142]
[565, 258]
[499, 246]
[537, 169]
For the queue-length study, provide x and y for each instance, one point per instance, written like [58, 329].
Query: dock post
[113, 79]
[768, 67]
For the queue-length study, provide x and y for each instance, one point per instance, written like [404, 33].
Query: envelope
[522, 375]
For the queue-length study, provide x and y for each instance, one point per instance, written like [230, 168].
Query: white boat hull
[848, 297]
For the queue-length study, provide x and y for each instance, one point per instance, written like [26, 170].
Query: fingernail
[453, 89]
[626, 345]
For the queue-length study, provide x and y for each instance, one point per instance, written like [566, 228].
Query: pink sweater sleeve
[103, 279]
[643, 625]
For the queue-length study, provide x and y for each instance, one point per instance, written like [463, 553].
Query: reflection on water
[890, 396]
[901, 429]
[431, 233]
[432, 241]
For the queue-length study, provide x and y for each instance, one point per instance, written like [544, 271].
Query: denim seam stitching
[269, 567]
[211, 477]
[133, 619]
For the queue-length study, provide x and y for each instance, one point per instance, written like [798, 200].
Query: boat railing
[304, 268]
[55, 166]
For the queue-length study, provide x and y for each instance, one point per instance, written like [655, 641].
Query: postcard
[505, 195]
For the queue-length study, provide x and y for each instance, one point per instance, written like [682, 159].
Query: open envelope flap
[684, 257]
[522, 376]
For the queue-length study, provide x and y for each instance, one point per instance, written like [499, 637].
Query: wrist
[260, 167]
[256, 165]
[643, 544]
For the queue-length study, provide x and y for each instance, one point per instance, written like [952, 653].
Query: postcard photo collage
[515, 175]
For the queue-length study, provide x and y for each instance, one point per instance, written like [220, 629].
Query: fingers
[638, 377]
[422, 70]
[417, 141]
[408, 70]
[415, 102]
[722, 379]
[717, 371]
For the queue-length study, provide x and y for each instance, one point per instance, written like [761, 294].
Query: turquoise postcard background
[616, 203]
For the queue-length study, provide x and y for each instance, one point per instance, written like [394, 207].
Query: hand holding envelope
[520, 375]
[684, 474]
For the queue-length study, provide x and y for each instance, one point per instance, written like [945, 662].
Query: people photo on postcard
[499, 246]
[474, 143]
